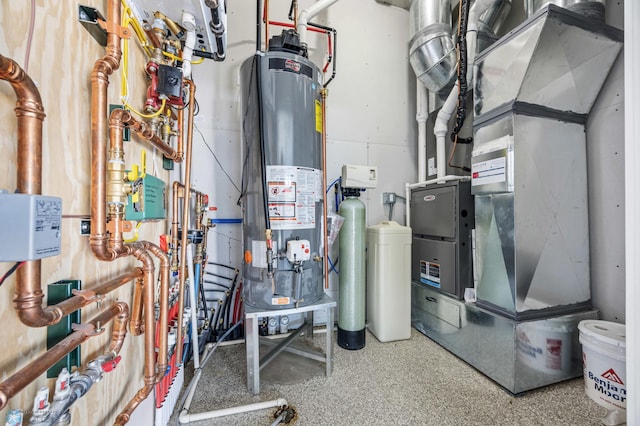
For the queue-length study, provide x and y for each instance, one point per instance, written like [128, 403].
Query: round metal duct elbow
[432, 52]
[490, 23]
[492, 19]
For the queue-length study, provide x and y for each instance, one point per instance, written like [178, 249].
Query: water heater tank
[281, 132]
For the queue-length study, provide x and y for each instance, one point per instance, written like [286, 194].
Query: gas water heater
[282, 182]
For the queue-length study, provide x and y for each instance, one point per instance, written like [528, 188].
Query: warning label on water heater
[292, 196]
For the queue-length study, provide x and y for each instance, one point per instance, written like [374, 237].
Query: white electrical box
[30, 226]
[359, 176]
[298, 250]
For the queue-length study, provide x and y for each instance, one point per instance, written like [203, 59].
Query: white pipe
[407, 204]
[195, 347]
[307, 14]
[442, 121]
[436, 180]
[192, 391]
[187, 418]
[422, 113]
[189, 23]
[632, 204]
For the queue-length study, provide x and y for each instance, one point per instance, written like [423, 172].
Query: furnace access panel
[442, 217]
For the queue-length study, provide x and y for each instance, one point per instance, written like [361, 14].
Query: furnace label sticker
[292, 196]
[489, 171]
[430, 273]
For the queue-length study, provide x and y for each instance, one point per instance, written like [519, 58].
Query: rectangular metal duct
[533, 91]
[557, 59]
[532, 225]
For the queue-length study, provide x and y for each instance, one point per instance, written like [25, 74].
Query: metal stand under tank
[518, 355]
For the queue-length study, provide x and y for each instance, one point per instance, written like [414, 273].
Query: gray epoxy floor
[411, 382]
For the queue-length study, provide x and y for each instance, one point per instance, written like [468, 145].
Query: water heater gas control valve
[298, 250]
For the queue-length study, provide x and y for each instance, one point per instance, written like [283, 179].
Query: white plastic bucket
[603, 354]
[546, 345]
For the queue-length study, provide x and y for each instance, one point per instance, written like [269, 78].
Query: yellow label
[318, 117]
[280, 301]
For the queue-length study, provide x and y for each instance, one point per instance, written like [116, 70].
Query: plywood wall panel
[62, 57]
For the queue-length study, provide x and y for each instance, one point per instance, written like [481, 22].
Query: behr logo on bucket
[605, 385]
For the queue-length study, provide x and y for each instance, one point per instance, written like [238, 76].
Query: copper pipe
[137, 250]
[185, 217]
[86, 297]
[110, 245]
[325, 260]
[180, 128]
[177, 187]
[266, 25]
[102, 69]
[153, 38]
[141, 395]
[150, 377]
[30, 116]
[19, 380]
[144, 131]
[136, 312]
[119, 330]
[163, 318]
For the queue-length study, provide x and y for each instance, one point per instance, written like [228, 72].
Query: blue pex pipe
[222, 221]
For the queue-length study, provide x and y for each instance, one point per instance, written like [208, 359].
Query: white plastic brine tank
[389, 281]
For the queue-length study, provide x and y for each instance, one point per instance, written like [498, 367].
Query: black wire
[263, 154]
[461, 110]
[216, 158]
[196, 107]
[10, 271]
[247, 143]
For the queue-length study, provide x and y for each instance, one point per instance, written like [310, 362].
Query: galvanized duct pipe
[431, 50]
[591, 9]
[490, 23]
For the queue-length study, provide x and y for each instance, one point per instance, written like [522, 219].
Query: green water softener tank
[351, 302]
